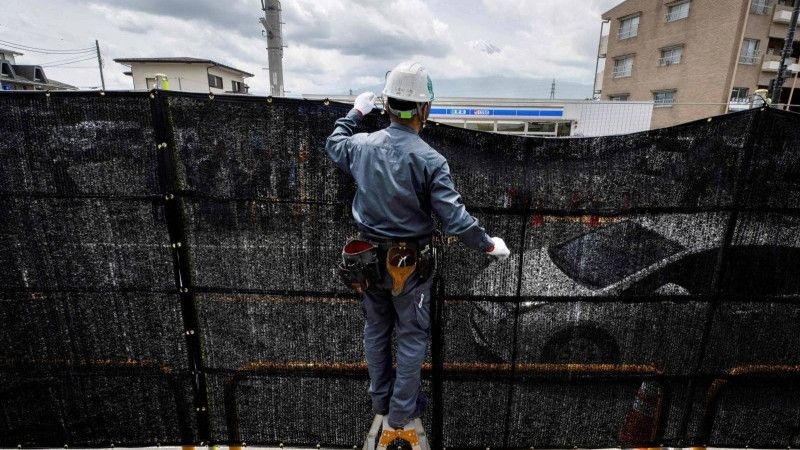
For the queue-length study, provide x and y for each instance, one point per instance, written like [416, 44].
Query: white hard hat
[409, 81]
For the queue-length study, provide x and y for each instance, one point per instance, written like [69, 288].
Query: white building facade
[186, 74]
[532, 117]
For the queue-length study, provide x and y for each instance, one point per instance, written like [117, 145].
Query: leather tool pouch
[359, 268]
[401, 261]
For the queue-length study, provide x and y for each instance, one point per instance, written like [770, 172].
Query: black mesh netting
[167, 277]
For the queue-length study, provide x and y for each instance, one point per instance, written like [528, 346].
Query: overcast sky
[333, 45]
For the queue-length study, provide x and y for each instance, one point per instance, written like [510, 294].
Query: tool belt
[364, 259]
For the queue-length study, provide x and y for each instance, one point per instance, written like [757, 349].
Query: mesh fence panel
[169, 277]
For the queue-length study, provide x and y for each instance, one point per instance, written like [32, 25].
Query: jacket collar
[402, 127]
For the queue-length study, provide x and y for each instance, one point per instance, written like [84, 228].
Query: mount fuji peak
[480, 45]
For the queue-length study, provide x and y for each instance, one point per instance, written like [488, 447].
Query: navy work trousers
[397, 392]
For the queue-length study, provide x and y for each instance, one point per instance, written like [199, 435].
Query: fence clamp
[189, 332]
[168, 197]
[184, 290]
[176, 245]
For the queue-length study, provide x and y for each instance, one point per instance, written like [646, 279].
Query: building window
[749, 53]
[480, 126]
[740, 95]
[664, 99]
[236, 86]
[510, 127]
[214, 81]
[760, 7]
[628, 27]
[623, 66]
[670, 56]
[542, 128]
[678, 11]
[619, 97]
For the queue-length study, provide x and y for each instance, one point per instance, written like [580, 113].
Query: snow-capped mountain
[482, 46]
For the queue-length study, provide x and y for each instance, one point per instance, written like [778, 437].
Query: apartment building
[696, 58]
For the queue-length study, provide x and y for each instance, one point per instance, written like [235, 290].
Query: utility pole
[100, 64]
[787, 53]
[272, 24]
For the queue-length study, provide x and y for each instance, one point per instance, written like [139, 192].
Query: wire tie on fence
[269, 99]
[184, 290]
[318, 445]
[211, 96]
[112, 445]
[326, 102]
[158, 444]
[152, 96]
[280, 445]
[102, 93]
[47, 94]
[202, 408]
[708, 120]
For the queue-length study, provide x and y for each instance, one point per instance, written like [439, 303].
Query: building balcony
[773, 62]
[783, 14]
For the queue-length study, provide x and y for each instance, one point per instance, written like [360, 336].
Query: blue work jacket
[400, 180]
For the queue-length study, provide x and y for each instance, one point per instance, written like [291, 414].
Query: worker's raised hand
[365, 102]
[499, 249]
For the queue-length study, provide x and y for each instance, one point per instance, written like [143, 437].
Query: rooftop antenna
[553, 89]
[273, 26]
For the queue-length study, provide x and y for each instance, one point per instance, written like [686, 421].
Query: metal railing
[622, 72]
[669, 60]
[749, 58]
[676, 15]
[760, 7]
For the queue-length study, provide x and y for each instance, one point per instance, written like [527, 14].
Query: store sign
[497, 113]
[6, 87]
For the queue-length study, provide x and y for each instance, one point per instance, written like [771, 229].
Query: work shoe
[403, 438]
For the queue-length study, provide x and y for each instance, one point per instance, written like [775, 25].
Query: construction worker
[400, 182]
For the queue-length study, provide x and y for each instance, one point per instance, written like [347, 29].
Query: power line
[71, 62]
[72, 58]
[47, 51]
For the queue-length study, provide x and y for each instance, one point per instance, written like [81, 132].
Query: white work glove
[499, 250]
[365, 102]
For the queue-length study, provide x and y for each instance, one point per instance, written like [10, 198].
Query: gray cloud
[235, 15]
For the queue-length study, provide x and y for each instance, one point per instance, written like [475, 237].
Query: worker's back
[393, 169]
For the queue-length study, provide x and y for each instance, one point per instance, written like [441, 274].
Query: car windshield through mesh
[605, 256]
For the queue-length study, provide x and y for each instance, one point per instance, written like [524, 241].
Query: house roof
[9, 51]
[180, 60]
